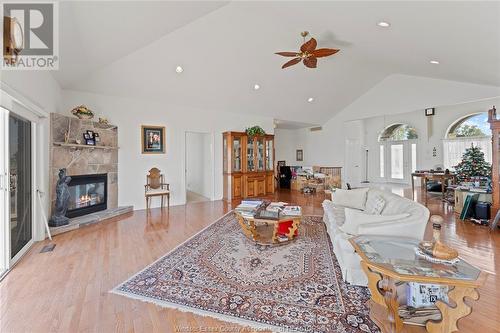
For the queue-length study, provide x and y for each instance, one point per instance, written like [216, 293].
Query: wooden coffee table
[389, 261]
[265, 231]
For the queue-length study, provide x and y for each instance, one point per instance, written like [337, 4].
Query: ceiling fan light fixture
[179, 69]
[384, 24]
[256, 87]
[434, 62]
[308, 53]
[310, 99]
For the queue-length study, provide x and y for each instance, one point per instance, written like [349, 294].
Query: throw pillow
[354, 218]
[375, 205]
[355, 198]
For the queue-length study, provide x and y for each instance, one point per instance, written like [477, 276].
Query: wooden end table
[388, 261]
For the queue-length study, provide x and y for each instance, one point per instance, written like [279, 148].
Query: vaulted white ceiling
[132, 48]
[96, 33]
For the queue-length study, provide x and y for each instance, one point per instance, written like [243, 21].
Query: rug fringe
[206, 313]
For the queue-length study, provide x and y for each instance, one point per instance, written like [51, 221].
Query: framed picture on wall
[153, 139]
[300, 155]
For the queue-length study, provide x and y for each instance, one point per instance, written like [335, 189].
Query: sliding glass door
[16, 188]
[21, 226]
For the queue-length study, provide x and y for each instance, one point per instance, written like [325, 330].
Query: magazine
[276, 206]
[292, 211]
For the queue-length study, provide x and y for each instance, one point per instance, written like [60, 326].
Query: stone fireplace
[89, 194]
[94, 169]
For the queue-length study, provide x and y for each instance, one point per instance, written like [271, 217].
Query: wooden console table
[441, 176]
[389, 261]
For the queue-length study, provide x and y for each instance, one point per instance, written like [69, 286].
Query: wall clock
[13, 39]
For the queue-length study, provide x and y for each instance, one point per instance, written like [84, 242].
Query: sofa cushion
[355, 218]
[355, 198]
[375, 204]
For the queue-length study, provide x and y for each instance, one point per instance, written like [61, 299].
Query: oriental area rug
[295, 287]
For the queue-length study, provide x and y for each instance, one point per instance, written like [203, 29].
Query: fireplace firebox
[89, 194]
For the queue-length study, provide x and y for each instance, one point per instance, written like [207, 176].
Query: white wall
[445, 116]
[130, 114]
[198, 163]
[39, 88]
[286, 143]
[396, 95]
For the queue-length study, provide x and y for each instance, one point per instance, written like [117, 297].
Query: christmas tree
[472, 165]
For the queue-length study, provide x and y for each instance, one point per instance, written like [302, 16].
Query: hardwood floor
[67, 290]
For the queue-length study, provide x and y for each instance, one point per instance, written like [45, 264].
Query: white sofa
[413, 226]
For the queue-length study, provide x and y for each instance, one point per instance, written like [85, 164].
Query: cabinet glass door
[236, 154]
[250, 154]
[269, 155]
[224, 154]
[260, 154]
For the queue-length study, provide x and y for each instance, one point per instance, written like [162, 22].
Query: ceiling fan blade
[287, 54]
[291, 63]
[309, 46]
[319, 53]
[310, 62]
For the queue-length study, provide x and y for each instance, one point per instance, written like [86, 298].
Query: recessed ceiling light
[434, 62]
[384, 24]
[256, 87]
[310, 99]
[179, 69]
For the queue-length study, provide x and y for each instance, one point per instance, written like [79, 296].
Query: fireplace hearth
[89, 194]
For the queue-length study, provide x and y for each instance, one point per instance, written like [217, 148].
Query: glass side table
[389, 260]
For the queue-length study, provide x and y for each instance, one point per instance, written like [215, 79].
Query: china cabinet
[248, 165]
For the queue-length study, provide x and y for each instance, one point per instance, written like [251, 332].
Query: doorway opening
[199, 167]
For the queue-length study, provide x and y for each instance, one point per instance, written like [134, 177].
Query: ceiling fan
[308, 53]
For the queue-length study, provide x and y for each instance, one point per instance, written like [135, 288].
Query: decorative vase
[436, 248]
[82, 112]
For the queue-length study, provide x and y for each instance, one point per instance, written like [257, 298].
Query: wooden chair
[155, 186]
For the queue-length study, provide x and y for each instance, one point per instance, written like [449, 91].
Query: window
[413, 157]
[397, 161]
[467, 131]
[382, 165]
[398, 132]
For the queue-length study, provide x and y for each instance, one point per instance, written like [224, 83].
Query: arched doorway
[397, 152]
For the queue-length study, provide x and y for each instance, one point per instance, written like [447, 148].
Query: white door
[398, 159]
[353, 159]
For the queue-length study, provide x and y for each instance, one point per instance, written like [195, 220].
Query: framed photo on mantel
[153, 139]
